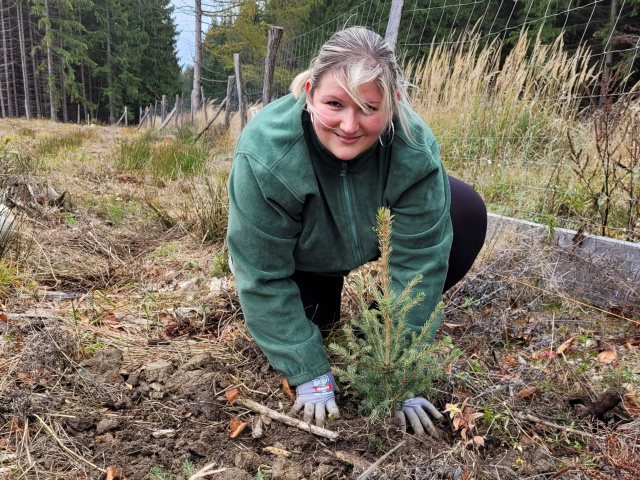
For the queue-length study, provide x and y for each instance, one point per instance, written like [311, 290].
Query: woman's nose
[349, 123]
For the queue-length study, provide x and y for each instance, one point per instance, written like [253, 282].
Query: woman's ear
[307, 87]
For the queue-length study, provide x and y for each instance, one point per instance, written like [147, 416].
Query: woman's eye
[372, 108]
[333, 104]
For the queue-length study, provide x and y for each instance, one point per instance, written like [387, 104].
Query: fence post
[275, 34]
[164, 107]
[126, 117]
[78, 114]
[394, 23]
[177, 111]
[242, 105]
[155, 113]
[227, 113]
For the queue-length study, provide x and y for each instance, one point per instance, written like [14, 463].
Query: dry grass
[502, 123]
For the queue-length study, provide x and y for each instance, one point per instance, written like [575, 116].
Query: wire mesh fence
[544, 122]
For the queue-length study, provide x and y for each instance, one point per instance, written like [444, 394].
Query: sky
[185, 18]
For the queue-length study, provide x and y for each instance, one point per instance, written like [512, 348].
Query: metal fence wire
[546, 128]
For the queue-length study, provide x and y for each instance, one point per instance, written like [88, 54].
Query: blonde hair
[355, 56]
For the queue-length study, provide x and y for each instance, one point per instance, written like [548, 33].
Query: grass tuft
[70, 141]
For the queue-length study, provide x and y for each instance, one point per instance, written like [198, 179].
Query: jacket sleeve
[421, 239]
[264, 224]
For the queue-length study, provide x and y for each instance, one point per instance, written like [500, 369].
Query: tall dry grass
[502, 119]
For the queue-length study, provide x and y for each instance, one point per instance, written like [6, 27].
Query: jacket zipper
[343, 174]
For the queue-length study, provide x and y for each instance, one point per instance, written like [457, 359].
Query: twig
[370, 470]
[531, 418]
[205, 471]
[68, 450]
[281, 417]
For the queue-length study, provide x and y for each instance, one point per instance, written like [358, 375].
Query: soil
[118, 345]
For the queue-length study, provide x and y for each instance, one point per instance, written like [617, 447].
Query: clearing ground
[121, 332]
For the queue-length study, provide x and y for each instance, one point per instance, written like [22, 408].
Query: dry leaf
[528, 393]
[4, 318]
[287, 390]
[479, 440]
[542, 427]
[607, 356]
[236, 427]
[277, 451]
[631, 404]
[128, 385]
[510, 361]
[565, 345]
[114, 473]
[452, 325]
[232, 395]
[635, 341]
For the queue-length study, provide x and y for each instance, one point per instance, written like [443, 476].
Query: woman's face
[339, 122]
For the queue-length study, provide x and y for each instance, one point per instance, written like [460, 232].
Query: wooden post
[394, 23]
[213, 119]
[155, 113]
[78, 114]
[227, 114]
[171, 114]
[177, 110]
[143, 117]
[164, 107]
[204, 103]
[126, 117]
[275, 34]
[242, 105]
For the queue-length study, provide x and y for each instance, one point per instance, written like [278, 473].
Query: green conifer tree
[386, 362]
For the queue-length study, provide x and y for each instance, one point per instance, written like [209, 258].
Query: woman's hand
[317, 397]
[414, 410]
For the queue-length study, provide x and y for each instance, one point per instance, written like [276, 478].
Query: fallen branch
[531, 418]
[49, 430]
[206, 471]
[372, 468]
[281, 417]
[351, 459]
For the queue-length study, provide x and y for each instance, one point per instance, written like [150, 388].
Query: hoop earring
[393, 134]
[306, 107]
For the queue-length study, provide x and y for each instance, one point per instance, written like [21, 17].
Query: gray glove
[317, 397]
[414, 410]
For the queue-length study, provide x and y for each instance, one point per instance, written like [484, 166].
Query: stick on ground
[281, 417]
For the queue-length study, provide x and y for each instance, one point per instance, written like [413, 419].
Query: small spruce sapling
[386, 362]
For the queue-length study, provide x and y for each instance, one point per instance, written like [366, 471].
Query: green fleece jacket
[295, 206]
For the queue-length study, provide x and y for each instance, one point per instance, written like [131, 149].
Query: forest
[81, 59]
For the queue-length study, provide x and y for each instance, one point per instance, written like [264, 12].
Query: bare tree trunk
[6, 60]
[112, 104]
[4, 112]
[197, 63]
[36, 86]
[609, 57]
[51, 79]
[14, 79]
[84, 89]
[63, 93]
[23, 58]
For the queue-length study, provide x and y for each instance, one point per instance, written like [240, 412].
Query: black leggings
[321, 293]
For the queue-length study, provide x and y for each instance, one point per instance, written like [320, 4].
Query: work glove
[414, 410]
[317, 397]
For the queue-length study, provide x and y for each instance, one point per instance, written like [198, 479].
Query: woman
[309, 173]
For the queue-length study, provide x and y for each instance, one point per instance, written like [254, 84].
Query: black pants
[321, 293]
